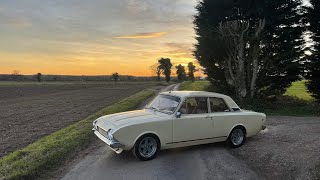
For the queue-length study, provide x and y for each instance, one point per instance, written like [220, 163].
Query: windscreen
[165, 103]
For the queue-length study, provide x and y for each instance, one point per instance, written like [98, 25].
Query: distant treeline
[19, 77]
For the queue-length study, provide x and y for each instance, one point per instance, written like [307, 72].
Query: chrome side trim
[197, 140]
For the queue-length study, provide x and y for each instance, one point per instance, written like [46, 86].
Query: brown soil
[30, 112]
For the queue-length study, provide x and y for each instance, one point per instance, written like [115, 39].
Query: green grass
[50, 151]
[284, 106]
[195, 86]
[298, 89]
[296, 101]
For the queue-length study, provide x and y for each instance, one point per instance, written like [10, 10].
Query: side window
[218, 105]
[194, 105]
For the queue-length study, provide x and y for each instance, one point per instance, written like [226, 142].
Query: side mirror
[178, 115]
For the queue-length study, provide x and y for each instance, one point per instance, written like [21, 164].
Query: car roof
[183, 94]
[193, 93]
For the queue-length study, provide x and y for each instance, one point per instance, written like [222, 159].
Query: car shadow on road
[127, 156]
[196, 148]
[193, 162]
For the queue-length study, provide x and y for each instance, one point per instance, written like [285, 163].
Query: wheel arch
[147, 133]
[238, 126]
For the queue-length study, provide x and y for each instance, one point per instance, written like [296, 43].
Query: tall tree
[156, 69]
[165, 65]
[39, 77]
[191, 70]
[249, 46]
[314, 61]
[181, 73]
[115, 77]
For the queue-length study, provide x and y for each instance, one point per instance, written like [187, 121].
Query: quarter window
[194, 105]
[218, 105]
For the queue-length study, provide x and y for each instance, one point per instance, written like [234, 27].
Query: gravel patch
[288, 149]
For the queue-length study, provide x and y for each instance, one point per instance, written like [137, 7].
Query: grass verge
[51, 150]
[296, 101]
[195, 86]
[298, 89]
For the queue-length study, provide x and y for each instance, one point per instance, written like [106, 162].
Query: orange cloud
[142, 35]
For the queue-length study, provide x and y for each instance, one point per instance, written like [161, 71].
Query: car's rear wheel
[237, 137]
[147, 147]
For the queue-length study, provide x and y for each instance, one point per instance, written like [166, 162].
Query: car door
[194, 123]
[223, 117]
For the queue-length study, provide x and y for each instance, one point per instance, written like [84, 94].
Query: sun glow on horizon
[124, 37]
[142, 35]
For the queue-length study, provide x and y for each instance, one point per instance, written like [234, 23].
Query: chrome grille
[102, 131]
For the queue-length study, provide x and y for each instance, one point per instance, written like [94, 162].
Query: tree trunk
[255, 56]
[255, 64]
[228, 70]
[158, 77]
[242, 91]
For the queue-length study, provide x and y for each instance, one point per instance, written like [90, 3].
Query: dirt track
[30, 112]
[288, 149]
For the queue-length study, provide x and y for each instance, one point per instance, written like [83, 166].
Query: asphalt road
[287, 149]
[199, 162]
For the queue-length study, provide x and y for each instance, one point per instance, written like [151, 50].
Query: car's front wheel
[147, 147]
[237, 137]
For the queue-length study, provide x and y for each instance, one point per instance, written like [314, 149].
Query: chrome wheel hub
[147, 147]
[237, 137]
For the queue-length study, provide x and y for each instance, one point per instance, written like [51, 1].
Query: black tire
[147, 147]
[237, 137]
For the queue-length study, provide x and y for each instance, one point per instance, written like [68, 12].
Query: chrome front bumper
[113, 144]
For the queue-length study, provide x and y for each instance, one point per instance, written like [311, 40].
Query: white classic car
[176, 119]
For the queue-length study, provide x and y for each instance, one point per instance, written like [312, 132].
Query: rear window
[218, 105]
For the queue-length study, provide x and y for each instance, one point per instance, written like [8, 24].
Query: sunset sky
[94, 37]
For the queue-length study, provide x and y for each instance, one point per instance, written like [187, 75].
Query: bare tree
[16, 75]
[155, 69]
[238, 75]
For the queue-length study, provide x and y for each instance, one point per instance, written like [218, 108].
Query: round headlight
[109, 134]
